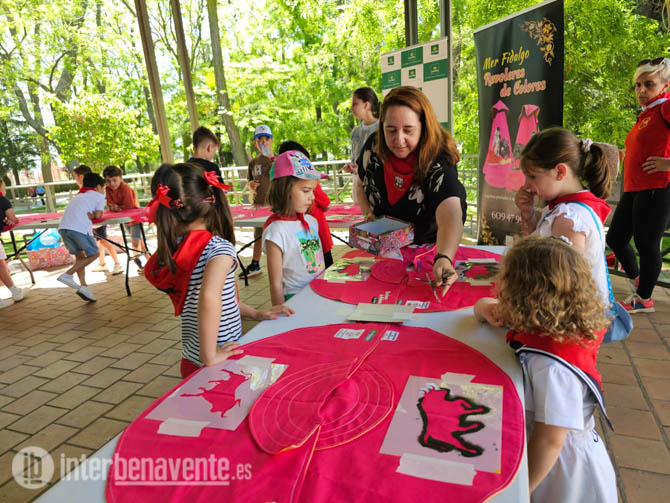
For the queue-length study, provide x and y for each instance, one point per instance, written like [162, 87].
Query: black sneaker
[254, 269]
[138, 263]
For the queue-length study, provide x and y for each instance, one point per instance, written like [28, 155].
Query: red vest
[650, 136]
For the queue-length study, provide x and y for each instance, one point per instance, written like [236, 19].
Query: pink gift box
[49, 257]
[384, 236]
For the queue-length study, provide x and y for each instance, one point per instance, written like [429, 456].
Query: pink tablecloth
[335, 213]
[137, 214]
[32, 219]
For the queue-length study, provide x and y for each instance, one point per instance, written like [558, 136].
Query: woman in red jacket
[319, 208]
[643, 212]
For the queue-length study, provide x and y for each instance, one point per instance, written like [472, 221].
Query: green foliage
[291, 64]
[98, 130]
[604, 40]
[18, 146]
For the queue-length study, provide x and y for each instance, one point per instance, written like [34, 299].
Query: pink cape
[390, 283]
[327, 430]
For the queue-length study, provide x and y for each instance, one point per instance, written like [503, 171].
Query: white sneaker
[6, 303]
[118, 269]
[100, 268]
[85, 293]
[68, 279]
[20, 295]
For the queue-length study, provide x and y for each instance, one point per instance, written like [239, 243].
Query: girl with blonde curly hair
[546, 294]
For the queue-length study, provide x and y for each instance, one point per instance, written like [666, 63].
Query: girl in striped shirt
[195, 264]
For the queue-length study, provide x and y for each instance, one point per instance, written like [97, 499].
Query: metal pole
[184, 64]
[154, 80]
[445, 31]
[411, 23]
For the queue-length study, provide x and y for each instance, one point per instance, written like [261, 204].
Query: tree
[97, 131]
[221, 89]
[19, 148]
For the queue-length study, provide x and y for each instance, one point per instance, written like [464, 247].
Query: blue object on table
[48, 239]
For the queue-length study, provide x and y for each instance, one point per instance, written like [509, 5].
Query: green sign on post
[436, 70]
[391, 79]
[411, 57]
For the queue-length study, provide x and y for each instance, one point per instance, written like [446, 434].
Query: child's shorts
[135, 232]
[100, 232]
[76, 242]
[3, 255]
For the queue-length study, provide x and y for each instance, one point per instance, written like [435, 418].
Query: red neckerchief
[186, 258]
[599, 206]
[85, 189]
[581, 356]
[398, 176]
[276, 217]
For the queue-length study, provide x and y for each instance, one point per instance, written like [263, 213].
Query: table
[312, 310]
[52, 220]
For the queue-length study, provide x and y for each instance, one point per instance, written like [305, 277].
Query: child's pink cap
[294, 163]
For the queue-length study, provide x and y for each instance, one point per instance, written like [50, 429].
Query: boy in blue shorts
[76, 230]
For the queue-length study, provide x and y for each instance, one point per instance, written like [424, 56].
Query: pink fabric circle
[345, 408]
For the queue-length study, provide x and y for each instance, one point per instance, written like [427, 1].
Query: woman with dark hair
[408, 171]
[364, 106]
[643, 211]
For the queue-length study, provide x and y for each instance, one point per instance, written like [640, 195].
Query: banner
[425, 66]
[520, 83]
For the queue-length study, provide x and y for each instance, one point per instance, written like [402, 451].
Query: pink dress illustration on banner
[528, 126]
[498, 162]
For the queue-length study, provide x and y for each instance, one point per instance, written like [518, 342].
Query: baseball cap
[262, 130]
[294, 163]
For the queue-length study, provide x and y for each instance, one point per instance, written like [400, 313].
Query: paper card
[407, 425]
[417, 304]
[348, 333]
[219, 396]
[349, 269]
[390, 335]
[477, 272]
[385, 313]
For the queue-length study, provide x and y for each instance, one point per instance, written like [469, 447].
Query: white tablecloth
[312, 310]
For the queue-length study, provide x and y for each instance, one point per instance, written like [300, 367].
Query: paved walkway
[73, 375]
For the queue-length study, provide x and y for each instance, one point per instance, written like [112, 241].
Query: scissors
[432, 287]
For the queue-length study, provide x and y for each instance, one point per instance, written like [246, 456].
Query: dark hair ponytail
[595, 163]
[600, 165]
[367, 95]
[187, 184]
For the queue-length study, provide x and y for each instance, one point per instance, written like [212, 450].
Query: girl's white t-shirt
[594, 246]
[302, 252]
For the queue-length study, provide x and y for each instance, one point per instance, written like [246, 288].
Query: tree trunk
[239, 155]
[150, 109]
[182, 53]
[15, 171]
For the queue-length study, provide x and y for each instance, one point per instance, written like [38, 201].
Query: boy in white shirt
[76, 230]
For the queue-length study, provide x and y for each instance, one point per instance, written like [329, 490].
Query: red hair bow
[213, 180]
[161, 197]
[165, 200]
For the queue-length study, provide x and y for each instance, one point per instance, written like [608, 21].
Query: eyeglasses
[652, 62]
